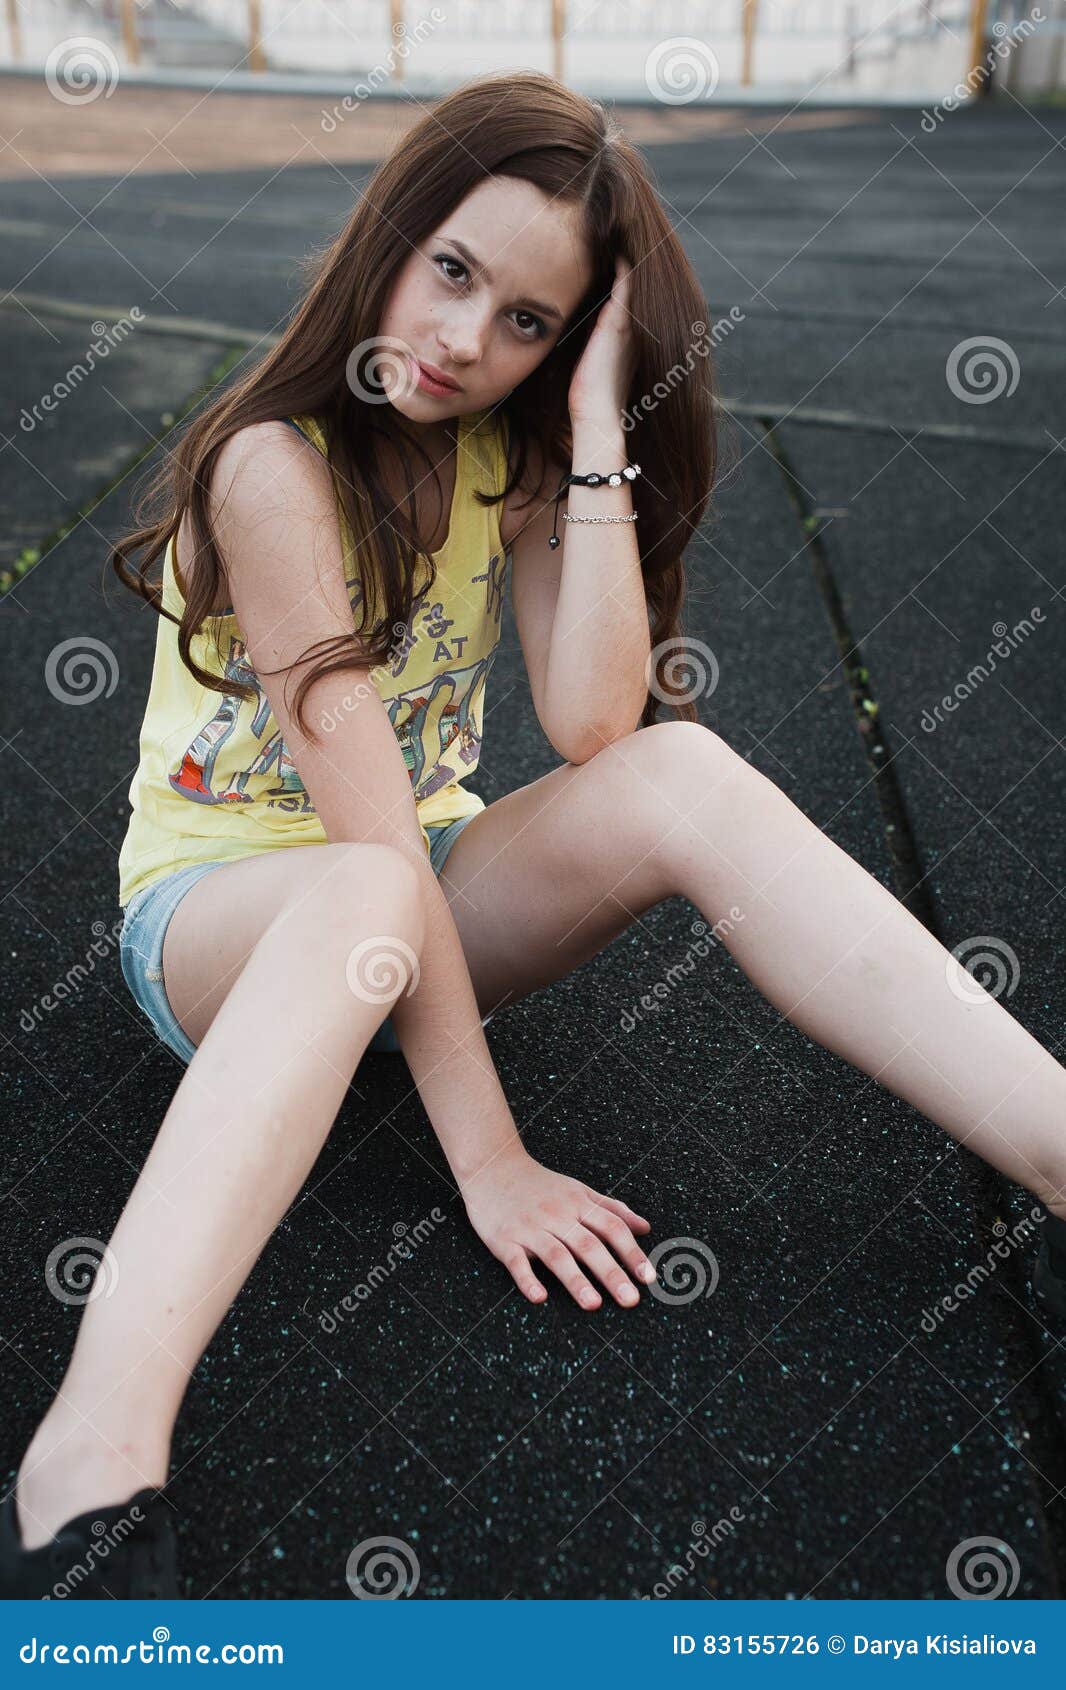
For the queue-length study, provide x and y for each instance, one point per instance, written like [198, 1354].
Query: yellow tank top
[215, 779]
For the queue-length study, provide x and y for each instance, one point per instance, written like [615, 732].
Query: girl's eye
[446, 258]
[540, 328]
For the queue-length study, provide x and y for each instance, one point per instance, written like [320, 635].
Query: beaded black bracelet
[614, 479]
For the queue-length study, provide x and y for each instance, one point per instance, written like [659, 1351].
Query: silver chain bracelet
[567, 517]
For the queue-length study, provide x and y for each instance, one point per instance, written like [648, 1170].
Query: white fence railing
[835, 48]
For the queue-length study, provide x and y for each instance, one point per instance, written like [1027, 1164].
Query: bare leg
[235, 1146]
[549, 874]
[848, 964]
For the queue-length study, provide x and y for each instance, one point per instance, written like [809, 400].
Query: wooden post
[130, 43]
[256, 55]
[850, 33]
[397, 60]
[749, 23]
[978, 22]
[558, 31]
[14, 34]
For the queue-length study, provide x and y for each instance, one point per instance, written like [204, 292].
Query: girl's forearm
[600, 640]
[440, 1034]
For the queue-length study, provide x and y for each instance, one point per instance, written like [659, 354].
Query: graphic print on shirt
[493, 577]
[427, 719]
[412, 715]
[194, 775]
[459, 690]
[436, 623]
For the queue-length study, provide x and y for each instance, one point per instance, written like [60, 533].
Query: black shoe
[1049, 1271]
[126, 1551]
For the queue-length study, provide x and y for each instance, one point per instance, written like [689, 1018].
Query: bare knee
[677, 788]
[361, 887]
[681, 745]
[674, 759]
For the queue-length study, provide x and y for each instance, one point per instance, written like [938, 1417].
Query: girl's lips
[430, 383]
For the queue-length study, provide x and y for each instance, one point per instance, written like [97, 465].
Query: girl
[507, 288]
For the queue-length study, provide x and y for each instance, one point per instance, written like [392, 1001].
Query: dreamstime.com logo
[81, 1269]
[61, 990]
[160, 1649]
[1007, 1240]
[700, 347]
[981, 968]
[407, 35]
[703, 1540]
[1007, 641]
[107, 336]
[81, 670]
[982, 1569]
[679, 971]
[80, 69]
[981, 369]
[382, 1568]
[686, 1269]
[669, 660]
[405, 639]
[382, 968]
[408, 1239]
[381, 369]
[103, 1541]
[1007, 38]
[681, 70]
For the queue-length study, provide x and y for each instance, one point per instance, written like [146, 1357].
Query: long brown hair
[531, 127]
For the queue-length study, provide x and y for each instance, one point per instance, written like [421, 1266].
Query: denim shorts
[147, 916]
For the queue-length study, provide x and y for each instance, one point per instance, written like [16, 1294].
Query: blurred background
[762, 49]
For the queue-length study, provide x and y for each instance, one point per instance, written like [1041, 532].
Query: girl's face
[483, 300]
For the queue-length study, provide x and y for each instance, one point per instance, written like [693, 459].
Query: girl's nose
[458, 352]
[461, 344]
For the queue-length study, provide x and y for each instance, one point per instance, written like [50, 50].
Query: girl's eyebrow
[525, 303]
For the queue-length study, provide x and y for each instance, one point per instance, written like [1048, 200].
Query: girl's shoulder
[270, 441]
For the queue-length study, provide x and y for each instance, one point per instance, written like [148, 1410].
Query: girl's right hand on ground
[521, 1209]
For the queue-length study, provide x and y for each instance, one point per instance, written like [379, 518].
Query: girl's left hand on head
[604, 373]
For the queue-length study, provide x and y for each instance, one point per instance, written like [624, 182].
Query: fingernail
[628, 1294]
[589, 1298]
[647, 1272]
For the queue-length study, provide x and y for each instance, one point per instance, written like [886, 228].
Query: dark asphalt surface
[544, 1452]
